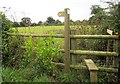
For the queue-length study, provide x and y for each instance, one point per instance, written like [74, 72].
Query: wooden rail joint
[93, 70]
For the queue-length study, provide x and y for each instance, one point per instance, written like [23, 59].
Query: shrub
[39, 54]
[16, 51]
[6, 24]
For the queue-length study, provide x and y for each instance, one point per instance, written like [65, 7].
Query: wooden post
[118, 58]
[93, 76]
[93, 70]
[67, 40]
[118, 44]
[107, 58]
[109, 48]
[73, 46]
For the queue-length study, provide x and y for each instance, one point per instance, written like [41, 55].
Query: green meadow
[40, 29]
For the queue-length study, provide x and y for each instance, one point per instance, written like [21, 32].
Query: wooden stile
[70, 47]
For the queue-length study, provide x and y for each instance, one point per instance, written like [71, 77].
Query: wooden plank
[94, 36]
[36, 35]
[104, 69]
[96, 53]
[80, 66]
[84, 52]
[109, 31]
[90, 64]
[71, 36]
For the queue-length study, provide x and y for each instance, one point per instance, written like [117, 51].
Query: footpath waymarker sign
[66, 15]
[61, 14]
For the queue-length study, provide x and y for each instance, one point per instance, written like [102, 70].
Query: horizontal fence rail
[97, 53]
[36, 35]
[86, 52]
[71, 36]
[80, 66]
[94, 36]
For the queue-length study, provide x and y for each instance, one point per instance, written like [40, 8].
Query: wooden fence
[70, 44]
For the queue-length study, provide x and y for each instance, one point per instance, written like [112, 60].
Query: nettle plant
[40, 53]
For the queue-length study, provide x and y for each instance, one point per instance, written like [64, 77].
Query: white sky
[39, 10]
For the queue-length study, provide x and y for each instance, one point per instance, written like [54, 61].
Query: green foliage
[68, 77]
[39, 54]
[12, 75]
[58, 23]
[106, 78]
[6, 24]
[113, 20]
[15, 24]
[15, 51]
[90, 44]
[98, 15]
[23, 75]
[44, 78]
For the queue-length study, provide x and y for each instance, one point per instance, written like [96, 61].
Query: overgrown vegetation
[6, 24]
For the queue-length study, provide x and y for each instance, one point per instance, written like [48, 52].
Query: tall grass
[39, 29]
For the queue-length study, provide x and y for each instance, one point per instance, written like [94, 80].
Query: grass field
[43, 30]
[40, 29]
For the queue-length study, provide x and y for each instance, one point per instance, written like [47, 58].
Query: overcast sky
[39, 10]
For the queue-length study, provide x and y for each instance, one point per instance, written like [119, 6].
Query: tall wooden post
[1, 50]
[118, 58]
[118, 45]
[67, 39]
[73, 46]
[66, 15]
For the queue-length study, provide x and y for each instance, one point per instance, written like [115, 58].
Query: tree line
[26, 21]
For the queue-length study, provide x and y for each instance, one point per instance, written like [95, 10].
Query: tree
[58, 22]
[84, 22]
[98, 15]
[45, 24]
[113, 19]
[40, 23]
[21, 24]
[34, 24]
[50, 21]
[77, 22]
[71, 22]
[15, 24]
[26, 21]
